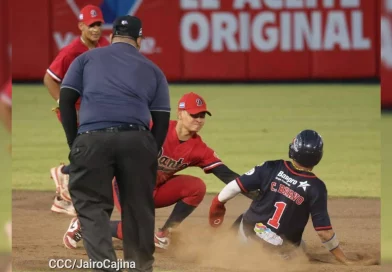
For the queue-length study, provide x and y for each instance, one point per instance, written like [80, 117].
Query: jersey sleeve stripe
[240, 185]
[323, 228]
[212, 165]
[53, 75]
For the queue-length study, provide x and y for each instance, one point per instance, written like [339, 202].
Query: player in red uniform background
[90, 22]
[182, 148]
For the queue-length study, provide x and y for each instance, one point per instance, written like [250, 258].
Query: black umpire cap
[129, 26]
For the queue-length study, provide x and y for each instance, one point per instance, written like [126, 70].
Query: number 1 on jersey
[274, 221]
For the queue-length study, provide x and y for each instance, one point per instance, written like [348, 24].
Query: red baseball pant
[191, 190]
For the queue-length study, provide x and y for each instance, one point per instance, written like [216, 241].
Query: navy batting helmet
[307, 148]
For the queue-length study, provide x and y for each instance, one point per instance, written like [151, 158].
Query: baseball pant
[95, 159]
[189, 189]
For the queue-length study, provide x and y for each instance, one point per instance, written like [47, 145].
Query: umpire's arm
[70, 91]
[160, 111]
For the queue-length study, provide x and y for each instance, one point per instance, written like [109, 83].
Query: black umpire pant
[130, 155]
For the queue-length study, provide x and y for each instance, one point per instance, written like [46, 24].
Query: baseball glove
[217, 212]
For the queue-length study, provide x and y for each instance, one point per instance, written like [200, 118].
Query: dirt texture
[5, 262]
[38, 233]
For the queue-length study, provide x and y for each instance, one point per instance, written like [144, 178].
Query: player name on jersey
[287, 192]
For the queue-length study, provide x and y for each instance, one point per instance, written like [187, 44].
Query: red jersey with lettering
[59, 67]
[176, 155]
[6, 93]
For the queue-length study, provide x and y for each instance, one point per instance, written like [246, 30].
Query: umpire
[121, 92]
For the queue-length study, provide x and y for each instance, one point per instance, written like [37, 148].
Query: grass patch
[250, 124]
[5, 187]
[386, 204]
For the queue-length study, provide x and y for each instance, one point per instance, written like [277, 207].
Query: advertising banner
[31, 40]
[160, 20]
[4, 43]
[217, 39]
[386, 54]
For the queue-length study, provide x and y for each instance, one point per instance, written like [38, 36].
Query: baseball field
[249, 124]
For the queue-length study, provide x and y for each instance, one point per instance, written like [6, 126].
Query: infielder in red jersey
[182, 148]
[90, 22]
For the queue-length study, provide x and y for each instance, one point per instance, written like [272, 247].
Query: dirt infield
[5, 260]
[37, 237]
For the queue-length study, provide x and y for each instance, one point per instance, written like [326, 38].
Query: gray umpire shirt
[117, 85]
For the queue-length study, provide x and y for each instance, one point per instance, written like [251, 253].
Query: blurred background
[386, 129]
[215, 40]
[5, 136]
[267, 69]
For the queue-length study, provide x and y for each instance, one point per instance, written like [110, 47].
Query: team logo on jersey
[169, 165]
[160, 152]
[199, 102]
[303, 185]
[111, 9]
[286, 179]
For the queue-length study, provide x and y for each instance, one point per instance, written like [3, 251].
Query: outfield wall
[4, 43]
[386, 54]
[221, 40]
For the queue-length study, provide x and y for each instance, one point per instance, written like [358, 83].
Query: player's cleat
[64, 192]
[73, 234]
[61, 181]
[162, 239]
[55, 174]
[62, 206]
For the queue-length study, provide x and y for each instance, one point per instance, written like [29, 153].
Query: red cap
[193, 103]
[91, 14]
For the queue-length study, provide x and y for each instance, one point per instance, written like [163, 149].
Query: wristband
[332, 244]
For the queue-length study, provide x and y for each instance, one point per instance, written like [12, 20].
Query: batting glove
[217, 212]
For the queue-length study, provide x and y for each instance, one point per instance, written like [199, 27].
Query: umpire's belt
[120, 128]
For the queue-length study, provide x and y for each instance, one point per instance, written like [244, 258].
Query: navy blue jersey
[287, 198]
[117, 85]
